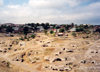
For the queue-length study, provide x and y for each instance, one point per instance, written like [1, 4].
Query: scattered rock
[45, 45]
[46, 66]
[10, 45]
[92, 51]
[22, 60]
[70, 51]
[22, 55]
[61, 69]
[60, 52]
[96, 51]
[68, 68]
[70, 63]
[9, 48]
[63, 48]
[56, 54]
[22, 44]
[46, 59]
[65, 58]
[28, 54]
[17, 59]
[0, 50]
[84, 61]
[34, 62]
[57, 59]
[15, 49]
[55, 69]
[93, 62]
[74, 65]
[4, 51]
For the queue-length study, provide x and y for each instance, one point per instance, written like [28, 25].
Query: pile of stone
[58, 68]
[20, 58]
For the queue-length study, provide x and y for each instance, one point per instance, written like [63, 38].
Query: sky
[52, 11]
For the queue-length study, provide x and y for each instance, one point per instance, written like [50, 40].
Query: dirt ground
[47, 53]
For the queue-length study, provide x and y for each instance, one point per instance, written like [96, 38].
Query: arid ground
[47, 53]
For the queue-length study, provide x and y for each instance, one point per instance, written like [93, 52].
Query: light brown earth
[49, 54]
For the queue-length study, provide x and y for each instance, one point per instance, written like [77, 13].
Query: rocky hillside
[49, 54]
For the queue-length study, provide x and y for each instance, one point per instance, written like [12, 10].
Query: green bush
[51, 32]
[61, 30]
[80, 29]
[8, 64]
[32, 36]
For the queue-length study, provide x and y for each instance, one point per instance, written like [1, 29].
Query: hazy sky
[52, 11]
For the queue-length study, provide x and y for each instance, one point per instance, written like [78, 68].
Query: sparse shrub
[74, 34]
[87, 31]
[32, 36]
[61, 30]
[45, 31]
[25, 37]
[8, 64]
[87, 36]
[21, 38]
[54, 34]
